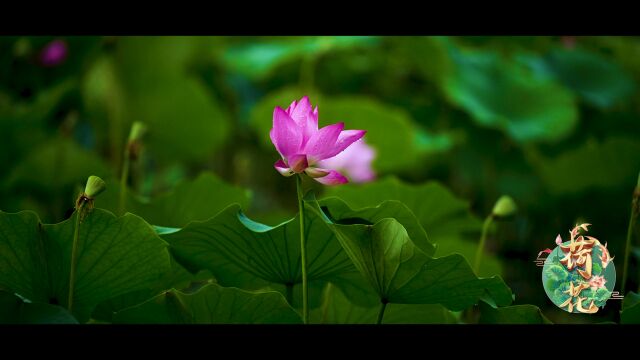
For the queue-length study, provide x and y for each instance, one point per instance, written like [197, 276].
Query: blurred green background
[551, 121]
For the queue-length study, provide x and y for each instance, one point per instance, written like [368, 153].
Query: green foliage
[240, 252]
[14, 310]
[595, 78]
[400, 272]
[211, 304]
[198, 199]
[500, 94]
[54, 165]
[337, 309]
[601, 296]
[116, 256]
[456, 122]
[597, 269]
[557, 273]
[515, 314]
[630, 309]
[257, 60]
[606, 164]
[446, 217]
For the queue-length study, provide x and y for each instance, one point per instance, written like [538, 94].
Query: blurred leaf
[446, 218]
[14, 310]
[212, 304]
[608, 164]
[397, 150]
[400, 272]
[185, 121]
[257, 59]
[500, 94]
[515, 314]
[630, 309]
[599, 81]
[337, 309]
[198, 199]
[55, 164]
[116, 256]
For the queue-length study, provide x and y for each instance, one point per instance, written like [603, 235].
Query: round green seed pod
[504, 207]
[94, 187]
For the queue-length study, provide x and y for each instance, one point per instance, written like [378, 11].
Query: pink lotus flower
[302, 145]
[355, 162]
[597, 282]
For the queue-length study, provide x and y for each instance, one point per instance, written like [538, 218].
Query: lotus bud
[504, 207]
[138, 129]
[94, 187]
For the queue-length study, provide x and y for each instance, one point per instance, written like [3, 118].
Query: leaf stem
[74, 256]
[627, 251]
[303, 253]
[483, 240]
[383, 306]
[124, 175]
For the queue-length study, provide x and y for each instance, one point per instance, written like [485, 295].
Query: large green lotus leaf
[607, 164]
[212, 304]
[399, 272]
[185, 121]
[14, 310]
[337, 309]
[176, 278]
[357, 112]
[197, 199]
[336, 208]
[257, 59]
[630, 309]
[515, 314]
[56, 164]
[115, 256]
[502, 94]
[445, 217]
[243, 253]
[598, 80]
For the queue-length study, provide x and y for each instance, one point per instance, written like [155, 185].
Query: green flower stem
[325, 305]
[383, 306]
[74, 255]
[483, 240]
[123, 182]
[627, 250]
[303, 254]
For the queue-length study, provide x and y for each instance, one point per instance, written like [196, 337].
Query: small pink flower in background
[355, 162]
[54, 53]
[597, 282]
[302, 145]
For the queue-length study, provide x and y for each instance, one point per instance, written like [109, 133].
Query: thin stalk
[383, 306]
[483, 240]
[124, 176]
[627, 250]
[303, 253]
[74, 256]
[325, 306]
